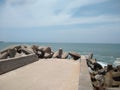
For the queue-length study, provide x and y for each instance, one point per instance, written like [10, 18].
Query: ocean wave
[117, 62]
[104, 60]
[102, 63]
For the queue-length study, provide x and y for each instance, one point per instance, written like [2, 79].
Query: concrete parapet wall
[84, 80]
[7, 65]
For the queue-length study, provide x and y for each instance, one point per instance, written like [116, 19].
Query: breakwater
[101, 77]
[14, 57]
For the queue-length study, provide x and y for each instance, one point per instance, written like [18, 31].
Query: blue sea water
[105, 53]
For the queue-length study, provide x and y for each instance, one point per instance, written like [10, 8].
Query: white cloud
[95, 19]
[19, 2]
[32, 13]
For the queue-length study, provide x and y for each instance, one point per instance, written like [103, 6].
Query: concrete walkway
[50, 74]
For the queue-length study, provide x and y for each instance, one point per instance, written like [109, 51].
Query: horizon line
[60, 42]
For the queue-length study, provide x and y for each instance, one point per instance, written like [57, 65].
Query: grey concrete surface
[46, 74]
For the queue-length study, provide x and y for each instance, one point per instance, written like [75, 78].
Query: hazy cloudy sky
[82, 21]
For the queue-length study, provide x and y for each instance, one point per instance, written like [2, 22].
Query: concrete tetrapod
[74, 55]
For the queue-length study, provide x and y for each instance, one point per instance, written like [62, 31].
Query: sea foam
[117, 62]
[102, 63]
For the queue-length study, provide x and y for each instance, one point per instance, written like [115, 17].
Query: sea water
[104, 53]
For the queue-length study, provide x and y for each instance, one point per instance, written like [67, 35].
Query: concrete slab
[50, 74]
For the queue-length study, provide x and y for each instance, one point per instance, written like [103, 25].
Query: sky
[76, 21]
